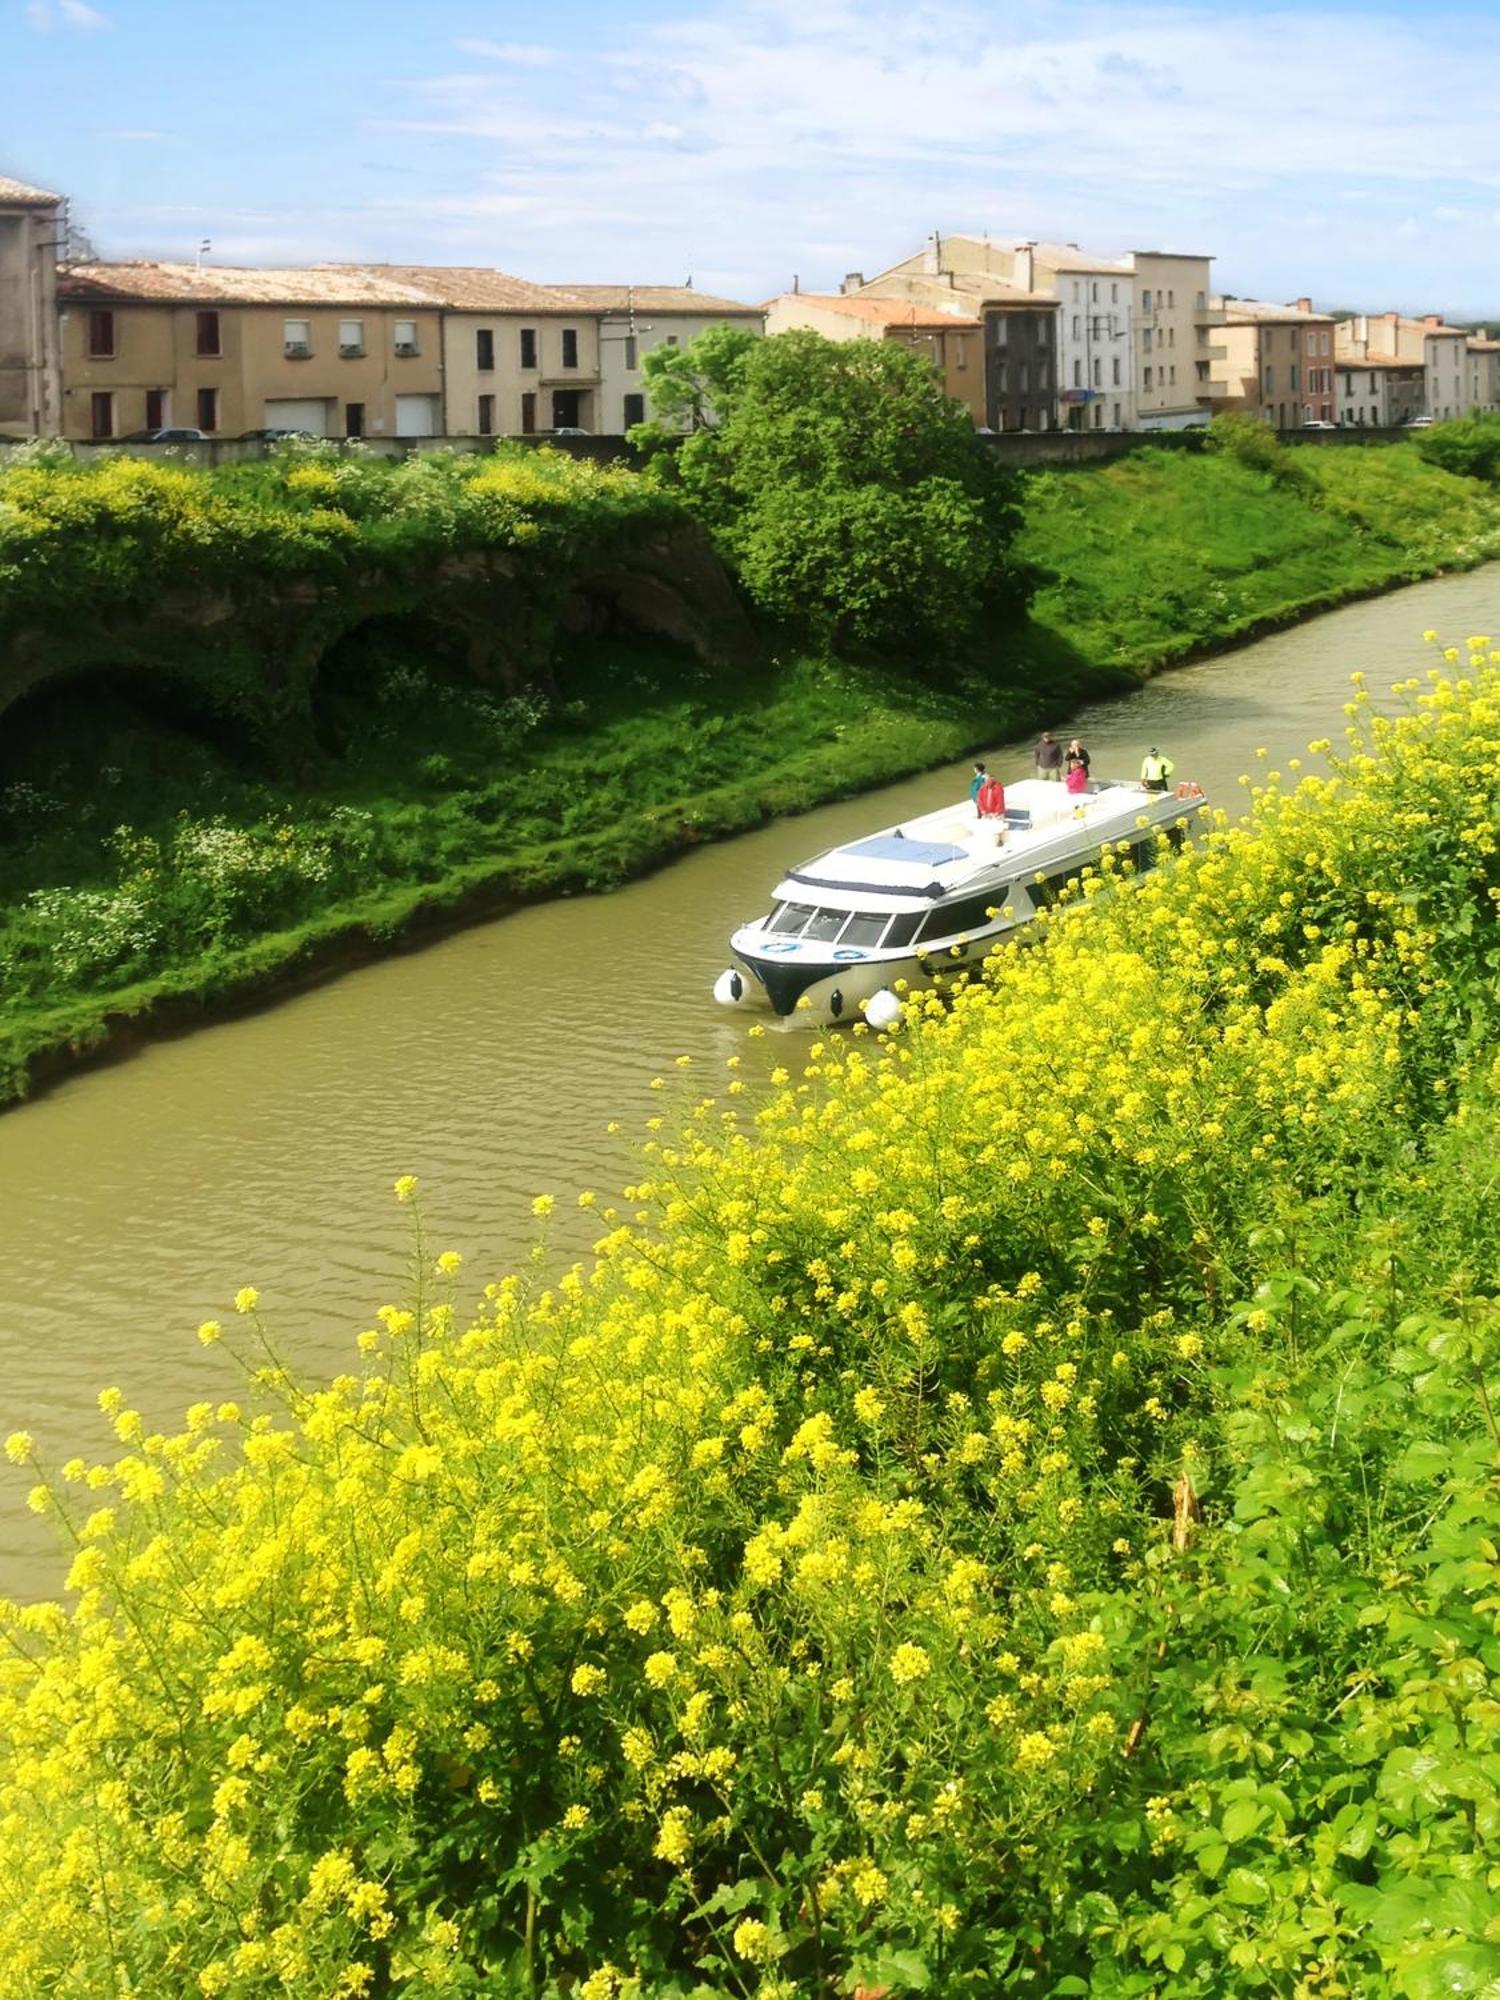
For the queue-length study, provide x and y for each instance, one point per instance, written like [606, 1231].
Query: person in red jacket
[991, 799]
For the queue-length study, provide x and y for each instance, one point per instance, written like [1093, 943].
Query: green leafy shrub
[1468, 445]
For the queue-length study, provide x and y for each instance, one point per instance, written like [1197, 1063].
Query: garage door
[307, 413]
[416, 416]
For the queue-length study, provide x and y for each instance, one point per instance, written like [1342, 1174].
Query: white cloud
[524, 55]
[44, 15]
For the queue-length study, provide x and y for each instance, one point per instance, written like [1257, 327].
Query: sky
[1341, 148]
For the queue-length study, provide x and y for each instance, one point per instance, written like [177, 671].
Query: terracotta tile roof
[649, 298]
[1068, 257]
[1244, 312]
[466, 287]
[975, 288]
[16, 194]
[1354, 362]
[1478, 345]
[169, 284]
[882, 311]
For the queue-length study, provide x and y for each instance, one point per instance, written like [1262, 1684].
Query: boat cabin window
[972, 914]
[826, 925]
[790, 917]
[866, 928]
[1046, 892]
[904, 927]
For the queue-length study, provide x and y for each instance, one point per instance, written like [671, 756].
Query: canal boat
[931, 897]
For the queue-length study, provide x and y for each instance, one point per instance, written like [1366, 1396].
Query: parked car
[172, 434]
[272, 436]
[568, 431]
[1318, 424]
[1416, 423]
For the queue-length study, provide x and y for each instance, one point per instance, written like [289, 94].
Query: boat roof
[942, 852]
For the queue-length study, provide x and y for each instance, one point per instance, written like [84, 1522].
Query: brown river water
[136, 1199]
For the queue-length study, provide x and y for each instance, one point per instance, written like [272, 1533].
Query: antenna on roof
[203, 249]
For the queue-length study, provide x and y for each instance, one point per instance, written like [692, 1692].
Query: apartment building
[1484, 371]
[632, 319]
[339, 352]
[1379, 390]
[30, 375]
[1279, 362]
[1442, 352]
[1178, 349]
[951, 339]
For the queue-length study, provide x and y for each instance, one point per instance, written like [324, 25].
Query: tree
[850, 494]
[1468, 445]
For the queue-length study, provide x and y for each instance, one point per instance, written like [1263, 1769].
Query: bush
[1468, 445]
[851, 494]
[1012, 1519]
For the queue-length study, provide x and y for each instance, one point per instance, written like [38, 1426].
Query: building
[1379, 390]
[1441, 350]
[340, 352]
[1178, 348]
[1279, 363]
[632, 319]
[517, 358]
[950, 338]
[30, 375]
[1484, 371]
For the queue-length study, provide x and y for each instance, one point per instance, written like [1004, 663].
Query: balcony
[570, 378]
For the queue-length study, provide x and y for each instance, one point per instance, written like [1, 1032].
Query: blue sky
[1339, 147]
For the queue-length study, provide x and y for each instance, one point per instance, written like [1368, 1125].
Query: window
[528, 410]
[1045, 892]
[528, 347]
[972, 914]
[156, 409]
[960, 350]
[635, 410]
[296, 339]
[1114, 295]
[1295, 373]
[354, 420]
[1043, 329]
[351, 337]
[570, 347]
[1146, 300]
[208, 409]
[1148, 378]
[1171, 336]
[1002, 377]
[1077, 327]
[1077, 295]
[1002, 330]
[824, 926]
[904, 927]
[1172, 375]
[1270, 383]
[672, 340]
[1098, 372]
[1077, 374]
[101, 339]
[1117, 417]
[1094, 292]
[209, 341]
[484, 349]
[1098, 416]
[102, 414]
[632, 358]
[866, 928]
[1171, 300]
[1202, 371]
[486, 416]
[1200, 302]
[404, 337]
[1146, 341]
[1115, 371]
[1025, 378]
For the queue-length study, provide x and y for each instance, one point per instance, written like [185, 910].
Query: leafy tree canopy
[850, 493]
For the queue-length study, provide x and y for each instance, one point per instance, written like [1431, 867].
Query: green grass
[426, 802]
[1164, 554]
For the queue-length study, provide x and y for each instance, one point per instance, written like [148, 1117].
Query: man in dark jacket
[1049, 757]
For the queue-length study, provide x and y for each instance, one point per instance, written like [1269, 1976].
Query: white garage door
[308, 413]
[416, 416]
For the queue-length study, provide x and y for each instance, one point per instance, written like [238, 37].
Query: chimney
[932, 256]
[796, 284]
[1024, 269]
[854, 281]
[1304, 305]
[1432, 319]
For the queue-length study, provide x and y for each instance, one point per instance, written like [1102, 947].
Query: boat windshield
[788, 920]
[865, 928]
[826, 925]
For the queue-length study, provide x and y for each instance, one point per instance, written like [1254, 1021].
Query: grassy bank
[1012, 1514]
[1163, 555]
[160, 864]
[151, 874]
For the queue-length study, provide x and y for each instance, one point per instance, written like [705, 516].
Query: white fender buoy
[729, 988]
[883, 1009]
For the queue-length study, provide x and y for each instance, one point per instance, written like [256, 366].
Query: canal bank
[262, 1151]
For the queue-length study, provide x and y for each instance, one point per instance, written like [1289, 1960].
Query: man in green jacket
[1156, 770]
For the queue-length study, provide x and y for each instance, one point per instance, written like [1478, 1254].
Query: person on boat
[991, 799]
[1077, 780]
[977, 783]
[1156, 770]
[1049, 757]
